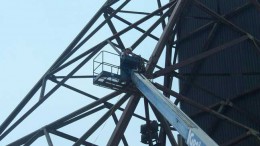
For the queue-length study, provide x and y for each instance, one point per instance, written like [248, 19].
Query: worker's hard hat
[129, 49]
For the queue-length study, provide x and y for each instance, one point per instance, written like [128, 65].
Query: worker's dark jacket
[128, 63]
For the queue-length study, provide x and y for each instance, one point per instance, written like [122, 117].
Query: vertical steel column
[164, 37]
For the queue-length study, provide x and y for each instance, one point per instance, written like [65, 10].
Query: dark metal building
[224, 35]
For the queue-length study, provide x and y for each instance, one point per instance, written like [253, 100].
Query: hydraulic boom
[191, 132]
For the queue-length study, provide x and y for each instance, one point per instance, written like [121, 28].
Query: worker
[127, 52]
[124, 65]
[128, 62]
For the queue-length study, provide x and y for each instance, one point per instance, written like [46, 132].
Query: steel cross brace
[198, 57]
[204, 108]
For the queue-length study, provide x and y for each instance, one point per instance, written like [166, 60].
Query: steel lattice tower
[211, 47]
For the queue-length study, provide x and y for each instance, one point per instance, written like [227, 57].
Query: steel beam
[107, 104]
[33, 138]
[136, 27]
[78, 117]
[44, 81]
[199, 57]
[147, 32]
[196, 67]
[204, 27]
[160, 5]
[114, 47]
[61, 67]
[204, 108]
[236, 140]
[25, 139]
[232, 100]
[123, 121]
[101, 120]
[59, 123]
[195, 85]
[71, 138]
[77, 77]
[84, 109]
[215, 124]
[48, 138]
[135, 12]
[123, 138]
[166, 33]
[256, 4]
[167, 82]
[228, 23]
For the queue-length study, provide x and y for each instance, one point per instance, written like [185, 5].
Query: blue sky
[32, 35]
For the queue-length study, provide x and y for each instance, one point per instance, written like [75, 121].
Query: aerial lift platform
[189, 130]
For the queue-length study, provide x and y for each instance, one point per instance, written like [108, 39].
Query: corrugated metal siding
[240, 58]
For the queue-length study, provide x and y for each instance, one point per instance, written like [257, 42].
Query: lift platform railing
[106, 61]
[106, 70]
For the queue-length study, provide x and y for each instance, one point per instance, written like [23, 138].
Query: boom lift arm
[191, 132]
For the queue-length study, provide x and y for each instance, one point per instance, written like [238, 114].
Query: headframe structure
[163, 34]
